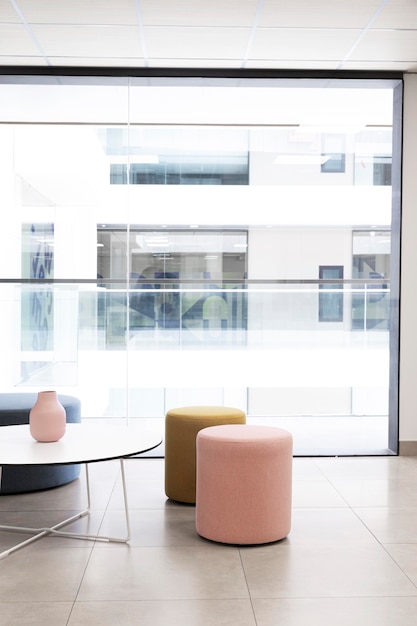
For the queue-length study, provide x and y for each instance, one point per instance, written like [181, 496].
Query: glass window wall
[174, 241]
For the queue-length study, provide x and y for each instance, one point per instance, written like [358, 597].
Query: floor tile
[87, 524]
[129, 573]
[45, 613]
[350, 558]
[306, 469]
[311, 571]
[31, 575]
[314, 493]
[155, 527]
[381, 611]
[378, 493]
[406, 557]
[353, 468]
[390, 525]
[164, 613]
[327, 527]
[141, 494]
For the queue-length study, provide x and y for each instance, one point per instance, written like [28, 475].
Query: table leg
[54, 530]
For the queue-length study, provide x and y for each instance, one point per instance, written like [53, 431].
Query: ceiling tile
[101, 61]
[318, 14]
[302, 44]
[199, 12]
[398, 14]
[32, 60]
[290, 64]
[400, 45]
[89, 41]
[195, 63]
[386, 66]
[196, 43]
[16, 41]
[78, 11]
[288, 34]
[7, 13]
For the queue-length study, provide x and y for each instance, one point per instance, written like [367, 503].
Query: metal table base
[54, 530]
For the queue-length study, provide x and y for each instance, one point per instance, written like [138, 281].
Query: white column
[408, 328]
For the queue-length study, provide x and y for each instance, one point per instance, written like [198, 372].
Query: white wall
[292, 253]
[265, 170]
[408, 337]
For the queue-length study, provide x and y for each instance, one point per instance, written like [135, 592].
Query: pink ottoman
[244, 483]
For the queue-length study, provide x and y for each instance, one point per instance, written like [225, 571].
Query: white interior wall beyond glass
[179, 241]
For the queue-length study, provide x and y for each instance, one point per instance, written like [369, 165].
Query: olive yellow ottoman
[244, 484]
[181, 428]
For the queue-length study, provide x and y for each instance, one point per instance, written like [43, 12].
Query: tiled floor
[350, 559]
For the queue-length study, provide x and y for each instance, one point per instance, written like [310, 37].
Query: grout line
[142, 33]
[30, 31]
[252, 34]
[363, 33]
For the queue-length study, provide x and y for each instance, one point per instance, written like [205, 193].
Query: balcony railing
[134, 351]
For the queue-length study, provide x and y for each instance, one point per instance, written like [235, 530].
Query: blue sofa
[15, 409]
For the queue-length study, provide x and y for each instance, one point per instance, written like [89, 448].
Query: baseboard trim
[408, 448]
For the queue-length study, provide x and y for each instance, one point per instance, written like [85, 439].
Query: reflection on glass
[371, 261]
[158, 262]
[330, 303]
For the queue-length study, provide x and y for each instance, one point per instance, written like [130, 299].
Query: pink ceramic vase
[47, 418]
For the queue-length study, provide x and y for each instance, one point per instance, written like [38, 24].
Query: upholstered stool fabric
[181, 428]
[244, 484]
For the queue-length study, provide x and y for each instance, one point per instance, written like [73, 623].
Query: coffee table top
[82, 443]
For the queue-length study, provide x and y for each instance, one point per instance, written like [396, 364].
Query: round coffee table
[85, 442]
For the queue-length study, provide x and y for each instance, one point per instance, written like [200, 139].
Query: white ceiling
[241, 34]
